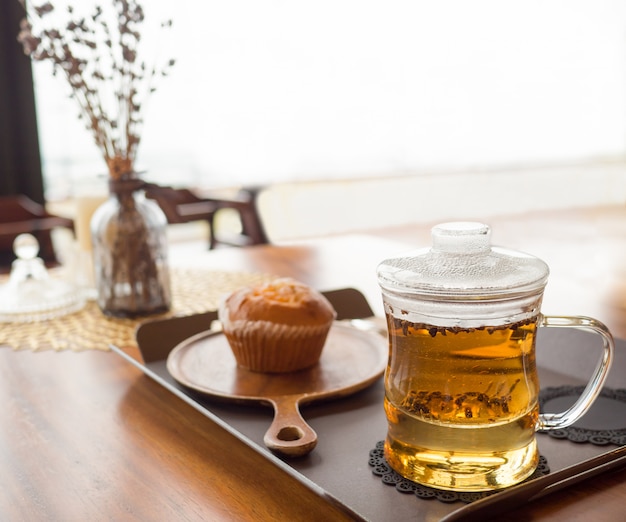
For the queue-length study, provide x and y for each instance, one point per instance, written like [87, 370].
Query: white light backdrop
[285, 90]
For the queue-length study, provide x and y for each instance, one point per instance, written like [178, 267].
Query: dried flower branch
[98, 55]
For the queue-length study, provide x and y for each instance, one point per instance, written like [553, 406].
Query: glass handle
[551, 421]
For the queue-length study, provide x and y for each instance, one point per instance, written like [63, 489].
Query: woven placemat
[193, 291]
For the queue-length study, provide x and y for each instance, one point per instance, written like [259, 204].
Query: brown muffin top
[282, 301]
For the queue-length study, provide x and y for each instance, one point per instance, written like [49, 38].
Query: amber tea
[462, 404]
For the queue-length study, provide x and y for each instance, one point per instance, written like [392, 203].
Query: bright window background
[285, 90]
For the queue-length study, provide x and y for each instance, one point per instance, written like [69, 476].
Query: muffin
[280, 326]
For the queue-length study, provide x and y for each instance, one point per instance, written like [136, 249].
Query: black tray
[348, 428]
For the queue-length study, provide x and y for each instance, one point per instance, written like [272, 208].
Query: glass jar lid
[30, 294]
[462, 264]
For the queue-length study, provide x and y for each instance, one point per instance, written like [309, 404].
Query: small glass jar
[130, 252]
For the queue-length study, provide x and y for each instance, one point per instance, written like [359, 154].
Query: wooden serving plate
[352, 359]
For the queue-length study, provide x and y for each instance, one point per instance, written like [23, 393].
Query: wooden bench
[182, 205]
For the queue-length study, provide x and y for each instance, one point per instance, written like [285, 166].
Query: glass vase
[130, 253]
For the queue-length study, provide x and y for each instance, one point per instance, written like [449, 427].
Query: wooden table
[86, 436]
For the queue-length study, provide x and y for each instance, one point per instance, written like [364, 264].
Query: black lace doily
[392, 478]
[599, 436]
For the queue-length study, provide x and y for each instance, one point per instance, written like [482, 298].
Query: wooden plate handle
[289, 434]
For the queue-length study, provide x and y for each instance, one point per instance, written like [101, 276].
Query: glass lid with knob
[30, 293]
[462, 264]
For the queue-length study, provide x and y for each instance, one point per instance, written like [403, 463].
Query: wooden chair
[20, 214]
[181, 205]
